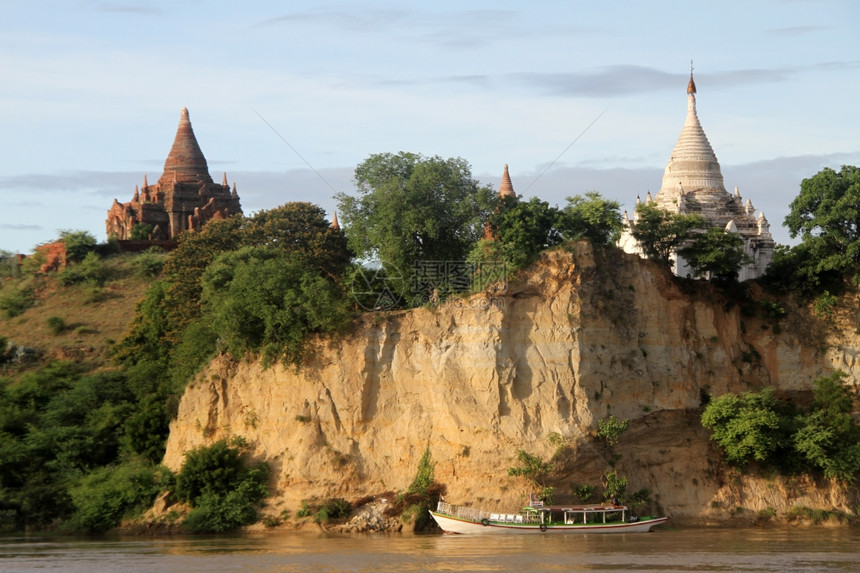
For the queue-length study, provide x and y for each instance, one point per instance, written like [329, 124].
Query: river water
[666, 549]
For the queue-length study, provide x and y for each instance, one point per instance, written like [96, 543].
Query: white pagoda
[693, 184]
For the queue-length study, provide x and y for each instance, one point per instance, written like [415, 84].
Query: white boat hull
[450, 524]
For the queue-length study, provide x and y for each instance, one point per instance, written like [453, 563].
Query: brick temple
[184, 198]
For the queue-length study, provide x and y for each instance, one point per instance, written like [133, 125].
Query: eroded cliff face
[580, 336]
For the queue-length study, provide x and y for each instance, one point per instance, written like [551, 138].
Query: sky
[287, 97]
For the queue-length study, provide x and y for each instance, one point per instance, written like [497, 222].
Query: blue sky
[90, 95]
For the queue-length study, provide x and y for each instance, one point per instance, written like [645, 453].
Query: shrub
[827, 437]
[610, 429]
[56, 325]
[217, 514]
[334, 508]
[78, 244]
[220, 487]
[424, 476]
[583, 491]
[95, 294]
[149, 263]
[752, 426]
[757, 426]
[106, 495]
[531, 467]
[90, 270]
[825, 304]
[638, 497]
[616, 485]
[211, 469]
[15, 303]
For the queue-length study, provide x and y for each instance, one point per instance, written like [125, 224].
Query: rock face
[580, 336]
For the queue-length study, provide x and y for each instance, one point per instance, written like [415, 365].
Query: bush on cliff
[828, 438]
[752, 426]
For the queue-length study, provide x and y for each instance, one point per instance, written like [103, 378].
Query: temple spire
[334, 224]
[185, 162]
[691, 87]
[693, 164]
[506, 188]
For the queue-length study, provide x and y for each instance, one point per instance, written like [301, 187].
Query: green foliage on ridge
[264, 284]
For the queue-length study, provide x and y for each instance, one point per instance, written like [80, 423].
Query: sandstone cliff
[580, 336]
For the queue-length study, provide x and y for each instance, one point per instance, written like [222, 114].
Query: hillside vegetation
[98, 356]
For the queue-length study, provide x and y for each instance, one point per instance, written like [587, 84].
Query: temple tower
[506, 188]
[184, 199]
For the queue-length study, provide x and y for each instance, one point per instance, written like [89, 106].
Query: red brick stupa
[184, 198]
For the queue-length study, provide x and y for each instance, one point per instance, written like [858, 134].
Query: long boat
[537, 518]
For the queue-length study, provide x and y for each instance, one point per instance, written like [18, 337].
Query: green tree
[183, 269]
[57, 424]
[302, 231]
[520, 231]
[752, 426]
[412, 208]
[660, 232]
[591, 217]
[826, 215]
[716, 253]
[141, 231]
[261, 299]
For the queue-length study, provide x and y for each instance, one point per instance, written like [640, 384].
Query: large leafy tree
[660, 232]
[410, 208]
[184, 267]
[591, 217]
[717, 253]
[826, 216]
